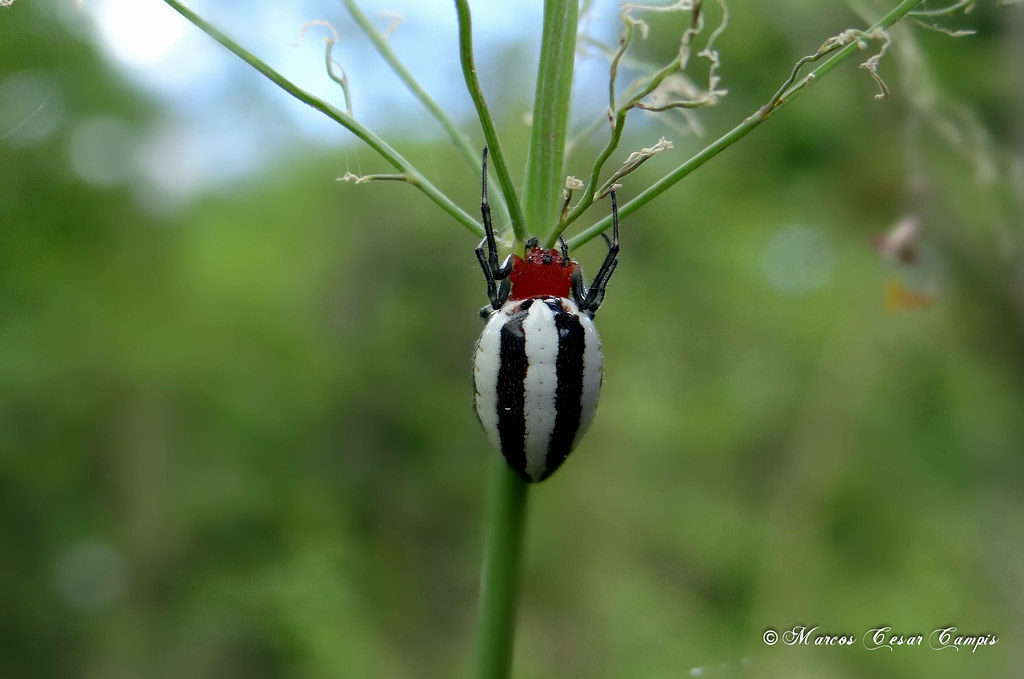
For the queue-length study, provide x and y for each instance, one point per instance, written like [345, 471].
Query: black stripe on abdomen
[511, 389]
[569, 392]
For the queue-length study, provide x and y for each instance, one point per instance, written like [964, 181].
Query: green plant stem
[638, 91]
[499, 583]
[392, 60]
[411, 174]
[744, 128]
[470, 154]
[542, 186]
[496, 153]
[502, 551]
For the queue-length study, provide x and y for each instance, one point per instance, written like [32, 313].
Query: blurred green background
[236, 437]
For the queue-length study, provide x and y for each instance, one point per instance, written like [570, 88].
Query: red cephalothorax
[542, 273]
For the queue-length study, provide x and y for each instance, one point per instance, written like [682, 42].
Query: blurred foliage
[236, 440]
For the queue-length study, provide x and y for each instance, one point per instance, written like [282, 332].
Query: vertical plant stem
[499, 586]
[506, 515]
[542, 189]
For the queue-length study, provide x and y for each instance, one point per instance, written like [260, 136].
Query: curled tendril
[334, 70]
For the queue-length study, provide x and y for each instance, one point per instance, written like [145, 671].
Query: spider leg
[494, 273]
[595, 295]
[599, 290]
[565, 251]
[578, 286]
[492, 284]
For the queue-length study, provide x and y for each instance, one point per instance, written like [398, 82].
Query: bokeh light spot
[797, 260]
[138, 33]
[101, 151]
[90, 575]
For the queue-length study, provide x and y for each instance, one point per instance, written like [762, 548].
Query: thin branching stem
[411, 174]
[964, 5]
[613, 71]
[367, 178]
[380, 41]
[329, 63]
[639, 91]
[783, 96]
[497, 154]
[830, 46]
[633, 161]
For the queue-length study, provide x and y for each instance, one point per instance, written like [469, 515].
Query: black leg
[565, 251]
[595, 295]
[492, 285]
[494, 273]
[579, 287]
[485, 212]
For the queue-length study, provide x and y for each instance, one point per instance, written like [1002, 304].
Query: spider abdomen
[537, 379]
